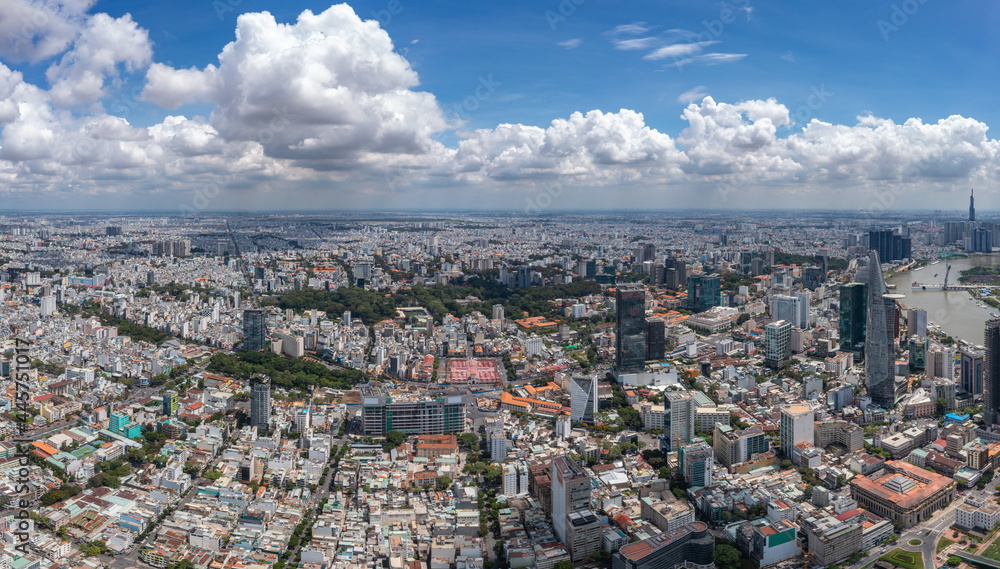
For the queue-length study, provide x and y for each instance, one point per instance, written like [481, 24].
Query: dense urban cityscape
[533, 284]
[481, 390]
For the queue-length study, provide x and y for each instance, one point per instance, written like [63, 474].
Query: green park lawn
[905, 559]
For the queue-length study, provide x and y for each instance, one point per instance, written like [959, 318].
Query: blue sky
[939, 62]
[529, 63]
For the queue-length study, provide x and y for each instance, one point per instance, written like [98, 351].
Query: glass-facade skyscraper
[703, 292]
[853, 316]
[254, 328]
[880, 359]
[991, 371]
[630, 333]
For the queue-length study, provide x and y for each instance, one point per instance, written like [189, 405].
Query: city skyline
[251, 106]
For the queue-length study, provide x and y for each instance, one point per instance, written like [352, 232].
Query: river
[955, 311]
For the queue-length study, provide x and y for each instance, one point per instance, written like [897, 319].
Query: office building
[583, 535]
[674, 273]
[691, 546]
[303, 420]
[812, 277]
[916, 322]
[656, 339]
[972, 371]
[583, 399]
[117, 422]
[787, 308]
[991, 371]
[737, 446]
[696, 460]
[254, 330]
[630, 332]
[678, 418]
[917, 350]
[777, 344]
[383, 410]
[703, 292]
[853, 316]
[903, 492]
[573, 521]
[972, 205]
[796, 427]
[497, 313]
[171, 402]
[830, 540]
[845, 433]
[880, 357]
[260, 402]
[889, 245]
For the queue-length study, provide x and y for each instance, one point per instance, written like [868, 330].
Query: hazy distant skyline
[517, 106]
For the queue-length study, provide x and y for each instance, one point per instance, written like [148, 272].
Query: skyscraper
[656, 341]
[678, 421]
[630, 333]
[254, 328]
[890, 245]
[916, 322]
[777, 343]
[880, 360]
[583, 398]
[571, 508]
[972, 371]
[991, 373]
[703, 292]
[972, 205]
[260, 402]
[785, 307]
[853, 316]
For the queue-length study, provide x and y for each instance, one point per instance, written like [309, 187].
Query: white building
[977, 514]
[796, 427]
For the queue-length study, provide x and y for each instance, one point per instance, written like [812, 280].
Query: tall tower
[991, 375]
[880, 360]
[630, 333]
[260, 402]
[254, 327]
[972, 205]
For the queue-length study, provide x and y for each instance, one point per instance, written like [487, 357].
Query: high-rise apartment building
[260, 402]
[630, 332]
